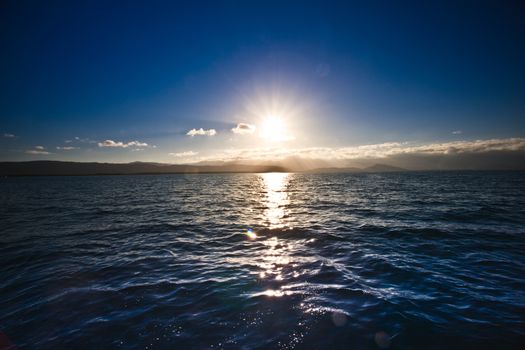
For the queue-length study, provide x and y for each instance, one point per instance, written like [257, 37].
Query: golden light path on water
[276, 198]
[280, 264]
[275, 201]
[276, 258]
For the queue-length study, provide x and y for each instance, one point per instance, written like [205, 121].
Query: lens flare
[250, 234]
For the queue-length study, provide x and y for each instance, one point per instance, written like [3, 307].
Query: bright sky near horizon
[181, 82]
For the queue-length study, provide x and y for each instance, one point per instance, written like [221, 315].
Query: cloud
[77, 139]
[457, 132]
[9, 136]
[111, 143]
[38, 150]
[202, 132]
[244, 129]
[34, 151]
[119, 144]
[375, 151]
[137, 143]
[184, 154]
[67, 148]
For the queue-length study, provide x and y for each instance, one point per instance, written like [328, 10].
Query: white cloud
[111, 143]
[38, 150]
[35, 151]
[67, 148]
[457, 132]
[9, 136]
[374, 151]
[77, 139]
[137, 144]
[184, 154]
[202, 132]
[244, 129]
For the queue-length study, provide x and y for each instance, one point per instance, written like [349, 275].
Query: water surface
[350, 261]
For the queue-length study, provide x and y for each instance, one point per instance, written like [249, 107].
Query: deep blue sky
[353, 73]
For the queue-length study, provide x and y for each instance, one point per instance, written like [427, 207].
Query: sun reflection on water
[275, 263]
[276, 198]
[274, 259]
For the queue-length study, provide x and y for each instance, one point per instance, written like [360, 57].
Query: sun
[274, 129]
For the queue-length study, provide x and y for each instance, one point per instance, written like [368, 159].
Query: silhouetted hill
[383, 168]
[294, 164]
[39, 168]
[335, 170]
[374, 168]
[48, 167]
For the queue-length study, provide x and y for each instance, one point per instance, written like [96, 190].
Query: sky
[183, 82]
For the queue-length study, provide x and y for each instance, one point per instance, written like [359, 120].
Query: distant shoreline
[59, 168]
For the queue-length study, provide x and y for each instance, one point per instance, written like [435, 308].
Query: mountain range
[43, 168]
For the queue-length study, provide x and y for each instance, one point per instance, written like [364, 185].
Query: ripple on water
[416, 260]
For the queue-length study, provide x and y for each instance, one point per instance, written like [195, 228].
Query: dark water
[368, 261]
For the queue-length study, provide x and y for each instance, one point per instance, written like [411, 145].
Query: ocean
[413, 260]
